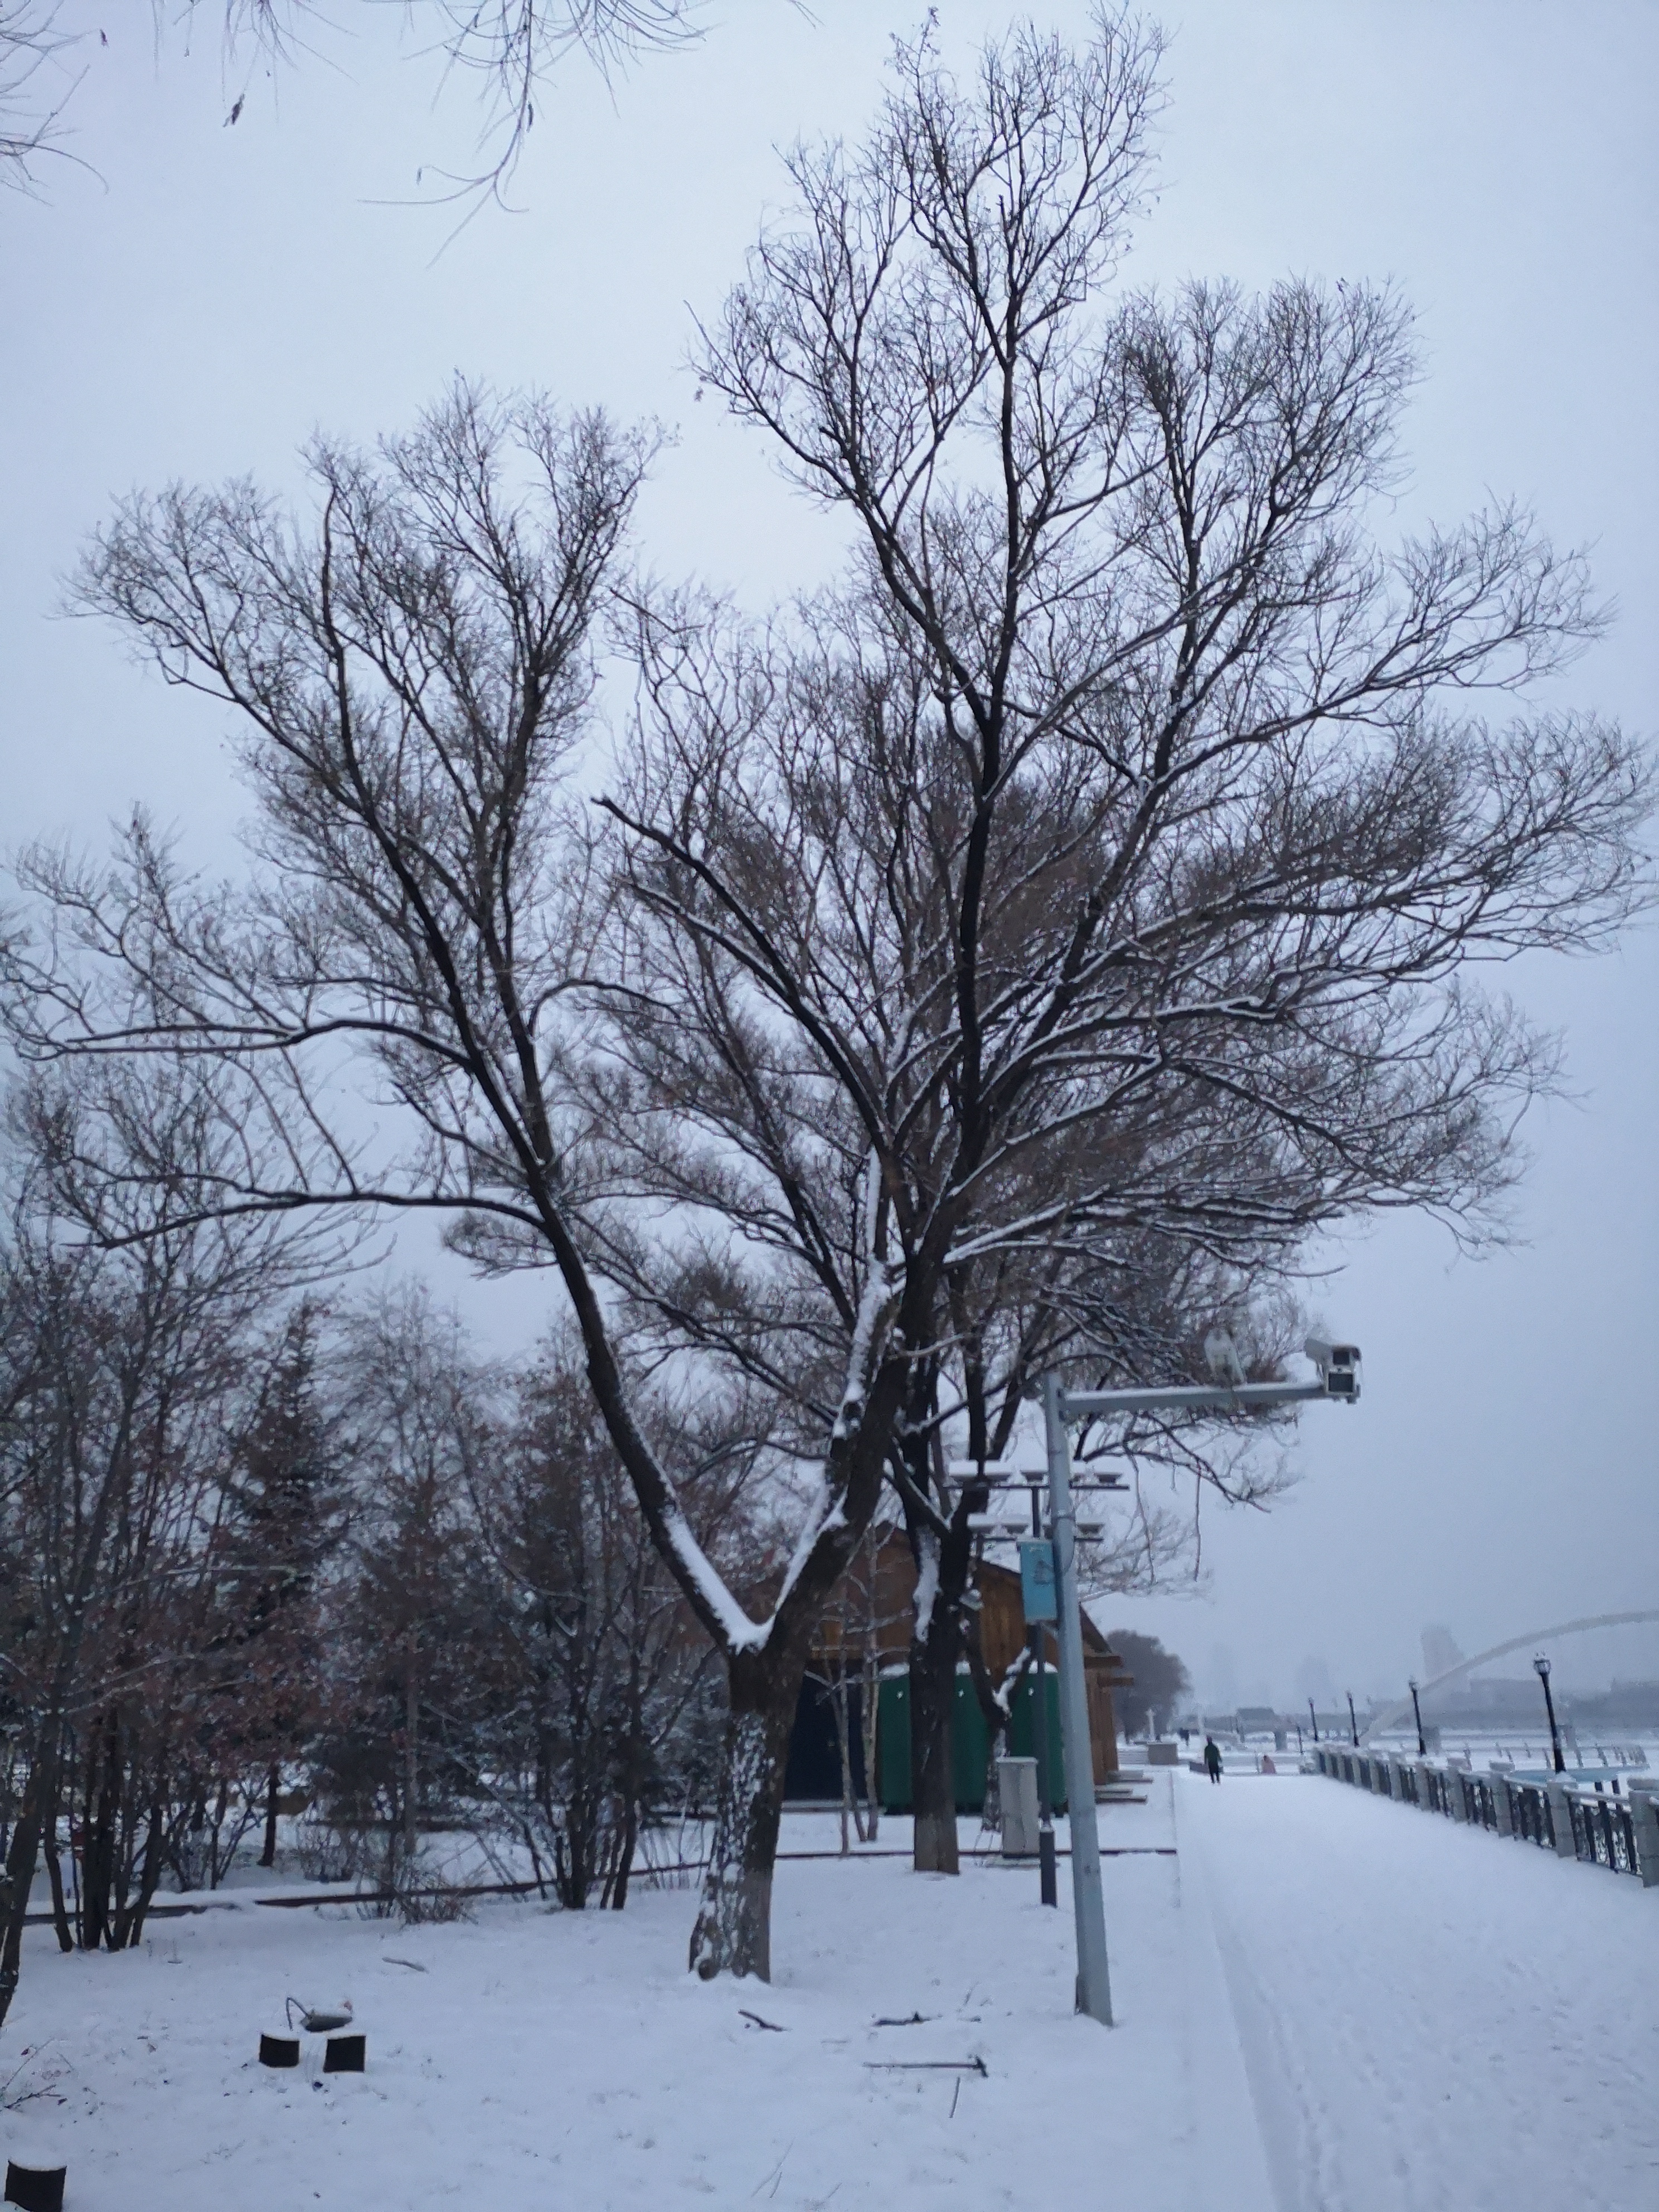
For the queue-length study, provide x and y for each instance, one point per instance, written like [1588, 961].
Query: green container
[969, 1741]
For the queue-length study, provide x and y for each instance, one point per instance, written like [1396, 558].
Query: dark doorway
[813, 1774]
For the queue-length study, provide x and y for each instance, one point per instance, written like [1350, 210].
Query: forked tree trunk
[733, 1931]
[129, 1922]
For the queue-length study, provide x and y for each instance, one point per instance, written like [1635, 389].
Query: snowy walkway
[1431, 2016]
[1326, 2003]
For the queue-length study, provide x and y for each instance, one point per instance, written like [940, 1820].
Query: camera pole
[1339, 1377]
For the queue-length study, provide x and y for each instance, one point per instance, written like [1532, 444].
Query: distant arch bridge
[1396, 1714]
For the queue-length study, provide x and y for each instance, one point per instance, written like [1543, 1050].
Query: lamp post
[1353, 1725]
[1542, 1665]
[1339, 1377]
[1422, 1746]
[1313, 1720]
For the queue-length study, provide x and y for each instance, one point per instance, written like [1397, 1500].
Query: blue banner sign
[1036, 1579]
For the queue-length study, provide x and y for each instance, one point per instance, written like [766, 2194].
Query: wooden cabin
[873, 1609]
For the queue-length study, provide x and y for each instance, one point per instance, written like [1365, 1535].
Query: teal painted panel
[969, 1746]
[1021, 1737]
[893, 1743]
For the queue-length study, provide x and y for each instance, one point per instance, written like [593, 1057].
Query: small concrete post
[1561, 1819]
[1420, 1768]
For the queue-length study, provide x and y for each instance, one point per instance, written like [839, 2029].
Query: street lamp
[1313, 1720]
[1422, 1748]
[1542, 1666]
[1339, 1377]
[1353, 1725]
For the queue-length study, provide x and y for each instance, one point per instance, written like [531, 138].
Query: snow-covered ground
[1432, 2015]
[1324, 2000]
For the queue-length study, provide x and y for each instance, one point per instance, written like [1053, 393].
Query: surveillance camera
[1338, 1365]
[1222, 1353]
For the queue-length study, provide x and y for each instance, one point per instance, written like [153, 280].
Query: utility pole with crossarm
[1339, 1377]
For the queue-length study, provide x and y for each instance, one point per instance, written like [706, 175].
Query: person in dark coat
[1213, 1759]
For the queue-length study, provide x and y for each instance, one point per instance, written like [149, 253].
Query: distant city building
[1441, 1652]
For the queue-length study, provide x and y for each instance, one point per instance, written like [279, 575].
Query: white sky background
[212, 294]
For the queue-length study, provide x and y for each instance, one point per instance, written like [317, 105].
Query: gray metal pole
[1094, 1989]
[1048, 1876]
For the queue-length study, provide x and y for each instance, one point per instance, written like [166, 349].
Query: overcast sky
[199, 298]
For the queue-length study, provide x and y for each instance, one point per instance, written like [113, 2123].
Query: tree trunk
[411, 1763]
[55, 1868]
[19, 1878]
[996, 1720]
[630, 1833]
[944, 1565]
[98, 1852]
[869, 1720]
[273, 1783]
[933, 1778]
[734, 1931]
[844, 1746]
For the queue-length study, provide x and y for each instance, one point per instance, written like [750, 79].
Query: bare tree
[511, 48]
[123, 1364]
[1101, 863]
[598, 1724]
[413, 676]
[1102, 867]
[33, 89]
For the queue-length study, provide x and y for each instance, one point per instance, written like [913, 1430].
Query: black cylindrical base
[35, 2188]
[1046, 1861]
[279, 2051]
[344, 2054]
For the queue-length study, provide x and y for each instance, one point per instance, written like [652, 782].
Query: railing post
[1644, 1827]
[1502, 1805]
[1566, 1843]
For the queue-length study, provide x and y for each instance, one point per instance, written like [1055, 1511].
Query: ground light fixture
[1338, 1366]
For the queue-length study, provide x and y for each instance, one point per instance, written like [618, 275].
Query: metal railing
[1603, 1830]
[1534, 1822]
[1621, 1832]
